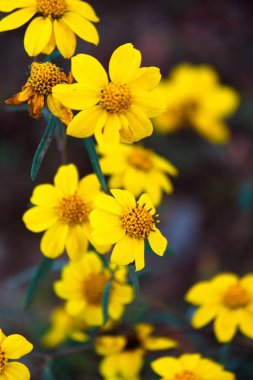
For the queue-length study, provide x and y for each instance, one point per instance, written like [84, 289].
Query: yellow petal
[108, 234]
[146, 78]
[100, 218]
[17, 371]
[67, 290]
[200, 293]
[108, 135]
[225, 325]
[83, 28]
[150, 103]
[15, 346]
[124, 251]
[8, 6]
[59, 110]
[164, 165]
[108, 203]
[38, 219]
[37, 35]
[17, 19]
[76, 96]
[65, 38]
[122, 294]
[66, 179]
[98, 247]
[139, 123]
[166, 367]
[124, 63]
[132, 180]
[85, 122]
[76, 243]
[2, 336]
[83, 9]
[190, 361]
[51, 44]
[53, 241]
[211, 129]
[75, 307]
[159, 343]
[146, 202]
[157, 242]
[45, 195]
[221, 101]
[93, 315]
[88, 188]
[204, 315]
[124, 197]
[246, 323]
[138, 246]
[87, 69]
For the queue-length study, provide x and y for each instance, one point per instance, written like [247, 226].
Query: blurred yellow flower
[83, 285]
[196, 99]
[116, 110]
[43, 77]
[190, 367]
[64, 326]
[57, 23]
[63, 211]
[124, 354]
[138, 170]
[13, 347]
[122, 220]
[228, 300]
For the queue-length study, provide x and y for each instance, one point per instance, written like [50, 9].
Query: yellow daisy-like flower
[64, 326]
[196, 99]
[115, 110]
[43, 77]
[63, 211]
[228, 300]
[13, 347]
[83, 285]
[57, 23]
[122, 220]
[124, 354]
[190, 367]
[138, 170]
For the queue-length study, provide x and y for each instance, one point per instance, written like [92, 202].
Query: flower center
[132, 343]
[52, 8]
[186, 375]
[115, 98]
[72, 210]
[44, 76]
[140, 158]
[138, 222]
[94, 288]
[3, 361]
[236, 297]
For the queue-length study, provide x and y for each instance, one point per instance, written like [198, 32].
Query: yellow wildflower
[43, 77]
[116, 110]
[122, 220]
[13, 347]
[196, 99]
[228, 300]
[124, 354]
[63, 211]
[83, 285]
[138, 170]
[56, 24]
[64, 326]
[190, 367]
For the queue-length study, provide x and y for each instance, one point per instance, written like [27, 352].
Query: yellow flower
[124, 354]
[116, 110]
[190, 367]
[56, 24]
[83, 285]
[63, 211]
[138, 170]
[43, 77]
[196, 99]
[122, 220]
[64, 326]
[13, 347]
[228, 300]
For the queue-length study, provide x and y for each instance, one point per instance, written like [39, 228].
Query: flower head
[115, 110]
[83, 284]
[196, 99]
[56, 23]
[43, 77]
[124, 354]
[138, 170]
[190, 367]
[228, 300]
[13, 347]
[63, 211]
[121, 220]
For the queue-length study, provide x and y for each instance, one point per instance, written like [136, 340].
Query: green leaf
[89, 144]
[42, 270]
[106, 300]
[134, 279]
[52, 56]
[48, 373]
[44, 145]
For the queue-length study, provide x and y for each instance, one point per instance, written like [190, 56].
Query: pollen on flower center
[94, 288]
[3, 361]
[138, 222]
[44, 76]
[115, 98]
[140, 159]
[52, 8]
[72, 210]
[236, 297]
[186, 375]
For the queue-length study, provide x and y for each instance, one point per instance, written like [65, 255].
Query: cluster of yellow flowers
[76, 216]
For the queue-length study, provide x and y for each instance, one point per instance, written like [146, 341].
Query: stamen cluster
[52, 8]
[72, 210]
[44, 76]
[138, 222]
[115, 98]
[140, 159]
[236, 297]
[94, 288]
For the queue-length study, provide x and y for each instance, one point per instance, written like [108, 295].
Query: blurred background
[208, 219]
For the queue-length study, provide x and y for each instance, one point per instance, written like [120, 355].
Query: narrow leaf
[134, 279]
[106, 300]
[52, 56]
